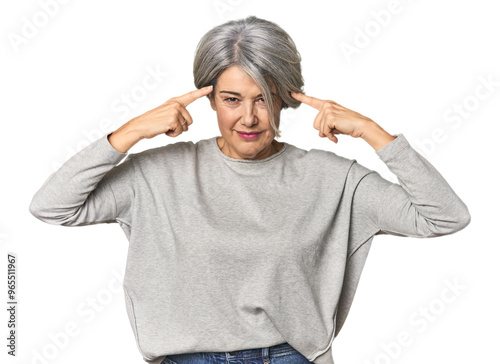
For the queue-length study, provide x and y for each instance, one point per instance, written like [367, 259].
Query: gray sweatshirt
[227, 254]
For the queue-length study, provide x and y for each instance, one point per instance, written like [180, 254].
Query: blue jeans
[278, 354]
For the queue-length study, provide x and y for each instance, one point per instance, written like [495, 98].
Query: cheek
[262, 114]
[225, 117]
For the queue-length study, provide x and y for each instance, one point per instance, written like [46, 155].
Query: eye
[261, 102]
[231, 100]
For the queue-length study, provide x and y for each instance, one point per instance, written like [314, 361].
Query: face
[242, 116]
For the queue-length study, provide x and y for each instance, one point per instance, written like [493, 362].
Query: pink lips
[248, 135]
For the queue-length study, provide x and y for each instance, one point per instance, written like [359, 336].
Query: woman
[242, 247]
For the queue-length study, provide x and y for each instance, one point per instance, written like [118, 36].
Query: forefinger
[191, 96]
[309, 100]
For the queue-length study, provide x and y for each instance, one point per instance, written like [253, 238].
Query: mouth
[252, 135]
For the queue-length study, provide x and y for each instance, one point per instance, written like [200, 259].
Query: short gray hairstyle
[259, 47]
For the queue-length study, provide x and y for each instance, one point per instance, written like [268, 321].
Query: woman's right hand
[170, 118]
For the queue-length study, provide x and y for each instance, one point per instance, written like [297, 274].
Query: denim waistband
[272, 351]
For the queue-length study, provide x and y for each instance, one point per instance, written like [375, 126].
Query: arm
[422, 205]
[78, 194]
[88, 188]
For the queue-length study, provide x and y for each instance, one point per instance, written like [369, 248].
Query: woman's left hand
[334, 119]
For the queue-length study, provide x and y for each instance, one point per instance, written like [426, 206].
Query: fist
[171, 117]
[333, 118]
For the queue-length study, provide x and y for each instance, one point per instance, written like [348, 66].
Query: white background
[66, 69]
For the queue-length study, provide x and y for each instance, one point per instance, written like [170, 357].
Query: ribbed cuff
[107, 147]
[393, 148]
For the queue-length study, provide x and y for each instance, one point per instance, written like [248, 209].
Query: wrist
[375, 136]
[126, 136]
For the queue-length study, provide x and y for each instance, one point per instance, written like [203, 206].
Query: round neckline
[247, 161]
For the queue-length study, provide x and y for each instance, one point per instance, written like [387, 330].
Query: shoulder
[318, 157]
[324, 163]
[170, 153]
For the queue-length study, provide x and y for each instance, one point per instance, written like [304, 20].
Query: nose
[249, 117]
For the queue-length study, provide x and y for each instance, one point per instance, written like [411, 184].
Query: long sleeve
[421, 205]
[81, 192]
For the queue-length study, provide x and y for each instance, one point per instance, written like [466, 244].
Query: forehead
[236, 80]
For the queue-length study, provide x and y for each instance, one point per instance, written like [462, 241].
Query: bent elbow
[459, 217]
[47, 214]
[452, 223]
[41, 213]
[464, 218]
[36, 210]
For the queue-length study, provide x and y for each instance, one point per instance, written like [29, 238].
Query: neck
[273, 148]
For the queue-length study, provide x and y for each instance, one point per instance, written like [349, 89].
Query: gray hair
[260, 48]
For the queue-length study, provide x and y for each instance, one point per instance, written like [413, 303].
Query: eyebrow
[238, 94]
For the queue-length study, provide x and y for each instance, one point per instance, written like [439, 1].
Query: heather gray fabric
[227, 254]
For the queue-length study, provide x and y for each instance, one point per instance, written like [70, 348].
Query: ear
[212, 101]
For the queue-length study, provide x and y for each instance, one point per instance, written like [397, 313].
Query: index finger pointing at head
[309, 100]
[191, 96]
